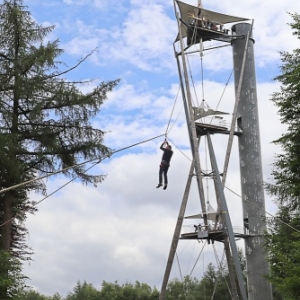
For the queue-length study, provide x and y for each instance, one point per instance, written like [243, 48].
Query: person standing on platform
[165, 163]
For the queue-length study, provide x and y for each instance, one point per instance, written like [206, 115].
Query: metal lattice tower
[195, 25]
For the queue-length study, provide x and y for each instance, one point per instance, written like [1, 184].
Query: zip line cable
[179, 150]
[254, 205]
[75, 177]
[202, 77]
[76, 165]
[226, 85]
[52, 193]
[85, 162]
[176, 119]
[192, 80]
[200, 50]
[172, 112]
[180, 272]
[219, 265]
[198, 258]
[210, 50]
[190, 258]
[64, 185]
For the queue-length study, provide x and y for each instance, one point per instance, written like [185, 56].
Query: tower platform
[203, 128]
[198, 24]
[211, 235]
[195, 33]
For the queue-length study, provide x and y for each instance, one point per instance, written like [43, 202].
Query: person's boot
[159, 185]
[165, 187]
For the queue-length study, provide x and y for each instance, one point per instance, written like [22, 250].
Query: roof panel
[189, 12]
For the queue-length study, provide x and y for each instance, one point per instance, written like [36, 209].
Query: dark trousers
[163, 170]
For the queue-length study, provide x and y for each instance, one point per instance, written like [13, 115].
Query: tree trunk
[5, 241]
[5, 244]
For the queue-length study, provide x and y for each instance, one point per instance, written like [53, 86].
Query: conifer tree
[44, 127]
[283, 239]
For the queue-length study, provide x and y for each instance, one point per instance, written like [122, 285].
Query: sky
[122, 229]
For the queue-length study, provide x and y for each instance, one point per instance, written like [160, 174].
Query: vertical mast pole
[251, 167]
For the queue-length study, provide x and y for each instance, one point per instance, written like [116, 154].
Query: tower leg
[231, 271]
[226, 217]
[176, 233]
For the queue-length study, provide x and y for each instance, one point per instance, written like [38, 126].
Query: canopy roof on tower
[188, 12]
[211, 214]
[204, 110]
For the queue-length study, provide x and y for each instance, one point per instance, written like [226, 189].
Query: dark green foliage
[283, 245]
[34, 295]
[109, 291]
[287, 165]
[44, 125]
[213, 285]
[189, 289]
[84, 291]
[13, 279]
[128, 291]
[282, 240]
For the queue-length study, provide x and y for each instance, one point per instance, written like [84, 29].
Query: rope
[226, 85]
[182, 279]
[76, 165]
[219, 264]
[75, 177]
[197, 259]
[192, 80]
[219, 267]
[180, 150]
[215, 48]
[254, 205]
[176, 119]
[202, 77]
[190, 258]
[38, 202]
[172, 112]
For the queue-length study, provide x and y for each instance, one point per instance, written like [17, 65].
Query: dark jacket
[167, 154]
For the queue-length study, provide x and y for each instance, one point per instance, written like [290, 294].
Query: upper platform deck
[211, 235]
[203, 128]
[198, 23]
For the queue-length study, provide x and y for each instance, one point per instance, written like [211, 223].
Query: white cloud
[142, 38]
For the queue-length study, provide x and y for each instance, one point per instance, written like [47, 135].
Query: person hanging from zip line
[165, 163]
